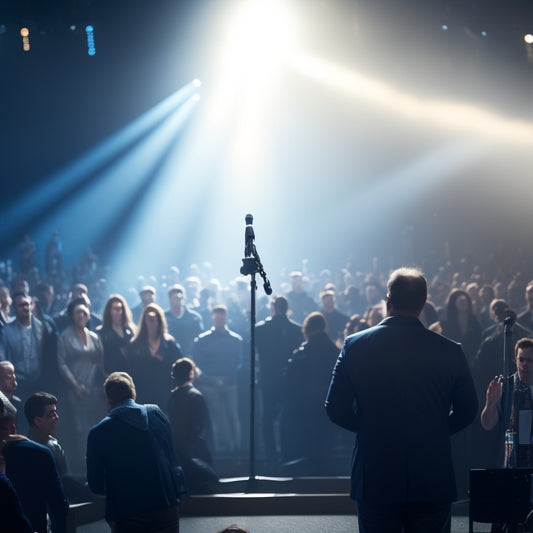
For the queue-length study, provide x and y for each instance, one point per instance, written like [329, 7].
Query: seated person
[32, 470]
[190, 423]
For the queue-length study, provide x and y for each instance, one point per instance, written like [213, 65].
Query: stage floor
[281, 524]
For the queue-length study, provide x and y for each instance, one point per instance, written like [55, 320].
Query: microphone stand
[508, 385]
[251, 265]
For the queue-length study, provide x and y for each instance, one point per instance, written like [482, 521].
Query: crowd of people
[185, 341]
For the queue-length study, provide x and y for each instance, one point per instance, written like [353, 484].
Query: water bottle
[510, 449]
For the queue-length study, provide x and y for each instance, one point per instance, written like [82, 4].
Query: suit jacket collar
[403, 321]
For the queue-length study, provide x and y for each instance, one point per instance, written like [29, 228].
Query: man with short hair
[131, 460]
[275, 339]
[32, 470]
[218, 354]
[526, 317]
[336, 320]
[403, 390]
[300, 303]
[22, 343]
[42, 416]
[183, 324]
[148, 296]
[521, 401]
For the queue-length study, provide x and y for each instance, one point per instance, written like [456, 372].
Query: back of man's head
[118, 387]
[280, 305]
[35, 405]
[181, 370]
[407, 290]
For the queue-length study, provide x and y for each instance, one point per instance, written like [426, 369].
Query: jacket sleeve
[95, 464]
[464, 406]
[341, 398]
[57, 502]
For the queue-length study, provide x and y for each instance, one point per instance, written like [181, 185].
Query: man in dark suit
[276, 338]
[403, 390]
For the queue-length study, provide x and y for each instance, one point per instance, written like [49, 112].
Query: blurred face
[23, 309]
[8, 380]
[80, 316]
[461, 303]
[524, 364]
[78, 293]
[48, 422]
[117, 311]
[152, 324]
[219, 320]
[176, 301]
[147, 297]
[328, 301]
[297, 283]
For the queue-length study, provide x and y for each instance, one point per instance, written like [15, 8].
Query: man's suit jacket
[403, 390]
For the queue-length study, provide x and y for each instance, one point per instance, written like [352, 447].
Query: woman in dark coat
[307, 434]
[151, 354]
[116, 332]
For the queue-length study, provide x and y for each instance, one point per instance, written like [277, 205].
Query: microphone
[510, 317]
[249, 236]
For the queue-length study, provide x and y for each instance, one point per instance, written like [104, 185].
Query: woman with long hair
[115, 332]
[460, 324]
[151, 354]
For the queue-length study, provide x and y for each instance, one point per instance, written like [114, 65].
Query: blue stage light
[91, 49]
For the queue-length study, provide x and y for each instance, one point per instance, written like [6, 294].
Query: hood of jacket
[131, 413]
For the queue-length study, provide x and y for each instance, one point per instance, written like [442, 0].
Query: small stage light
[483, 33]
[25, 34]
[528, 38]
[196, 82]
[196, 97]
[73, 27]
[91, 50]
[444, 27]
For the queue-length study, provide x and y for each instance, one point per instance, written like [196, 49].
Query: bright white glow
[196, 82]
[528, 38]
[259, 41]
[261, 33]
[449, 114]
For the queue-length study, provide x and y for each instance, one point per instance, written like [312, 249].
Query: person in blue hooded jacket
[131, 460]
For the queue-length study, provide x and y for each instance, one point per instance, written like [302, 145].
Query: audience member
[63, 320]
[526, 317]
[115, 332]
[148, 296]
[150, 357]
[32, 470]
[79, 358]
[306, 434]
[23, 343]
[191, 427]
[183, 324]
[275, 339]
[335, 319]
[131, 460]
[300, 303]
[218, 354]
[5, 306]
